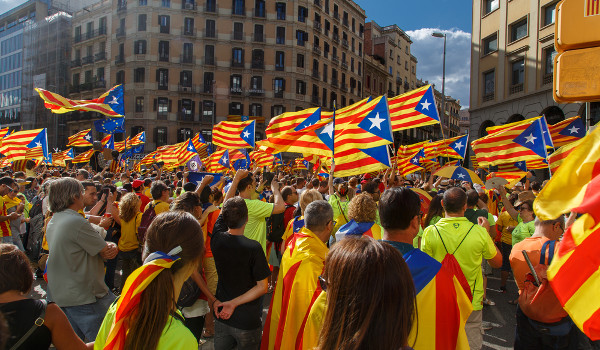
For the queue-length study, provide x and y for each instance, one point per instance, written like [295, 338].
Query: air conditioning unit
[189, 6]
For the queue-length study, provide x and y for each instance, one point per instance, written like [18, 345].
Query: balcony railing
[163, 58]
[100, 56]
[163, 86]
[87, 60]
[236, 64]
[185, 117]
[237, 36]
[76, 62]
[345, 43]
[211, 7]
[258, 12]
[187, 59]
[120, 33]
[317, 26]
[398, 80]
[317, 50]
[122, 7]
[335, 59]
[516, 88]
[162, 115]
[235, 90]
[336, 15]
[547, 79]
[256, 92]
[336, 38]
[334, 82]
[100, 84]
[344, 88]
[318, 3]
[119, 59]
[188, 31]
[89, 35]
[189, 6]
[345, 65]
[74, 89]
[345, 22]
[278, 94]
[488, 97]
[210, 34]
[187, 88]
[209, 60]
[258, 65]
[315, 74]
[259, 38]
[86, 86]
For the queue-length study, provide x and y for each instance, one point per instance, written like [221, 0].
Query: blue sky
[418, 18]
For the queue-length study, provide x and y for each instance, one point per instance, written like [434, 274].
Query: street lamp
[442, 35]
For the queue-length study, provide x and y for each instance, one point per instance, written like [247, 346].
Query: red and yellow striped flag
[84, 157]
[567, 131]
[262, 159]
[293, 121]
[592, 8]
[558, 157]
[16, 145]
[137, 140]
[234, 135]
[200, 145]
[122, 145]
[81, 139]
[413, 109]
[110, 103]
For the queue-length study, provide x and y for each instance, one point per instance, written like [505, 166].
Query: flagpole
[333, 135]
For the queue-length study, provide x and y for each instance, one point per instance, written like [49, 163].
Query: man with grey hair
[75, 264]
[301, 265]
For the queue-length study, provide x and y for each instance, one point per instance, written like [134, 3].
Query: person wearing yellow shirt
[6, 184]
[160, 195]
[130, 217]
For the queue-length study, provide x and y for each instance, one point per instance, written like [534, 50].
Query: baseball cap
[137, 183]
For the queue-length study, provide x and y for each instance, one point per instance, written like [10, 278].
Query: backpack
[147, 217]
[276, 226]
[190, 292]
[451, 264]
[539, 303]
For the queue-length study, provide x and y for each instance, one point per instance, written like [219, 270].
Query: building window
[186, 109]
[163, 51]
[166, 3]
[280, 8]
[142, 2]
[256, 110]
[139, 47]
[549, 14]
[280, 35]
[139, 104]
[185, 78]
[161, 137]
[188, 26]
[120, 78]
[209, 54]
[259, 8]
[164, 23]
[141, 22]
[300, 61]
[211, 31]
[489, 85]
[256, 85]
[491, 5]
[278, 87]
[258, 59]
[277, 110]
[549, 54]
[518, 30]
[259, 33]
[188, 53]
[490, 44]
[139, 75]
[236, 84]
[302, 14]
[100, 74]
[211, 5]
[236, 108]
[279, 60]
[208, 109]
[518, 72]
[302, 37]
[300, 87]
[162, 106]
[237, 57]
[184, 134]
[162, 78]
[238, 7]
[238, 31]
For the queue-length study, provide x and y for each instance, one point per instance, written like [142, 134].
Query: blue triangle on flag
[325, 134]
[248, 134]
[522, 165]
[114, 99]
[460, 146]
[41, 140]
[380, 154]
[546, 132]
[190, 146]
[377, 122]
[426, 105]
[532, 138]
[310, 120]
[224, 161]
[575, 129]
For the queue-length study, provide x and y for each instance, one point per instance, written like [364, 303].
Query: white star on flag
[573, 130]
[190, 148]
[328, 129]
[376, 122]
[87, 137]
[415, 160]
[246, 134]
[425, 105]
[114, 100]
[225, 159]
[459, 145]
[38, 144]
[530, 138]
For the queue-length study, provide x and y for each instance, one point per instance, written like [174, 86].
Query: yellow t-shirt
[4, 225]
[128, 240]
[505, 221]
[159, 206]
[147, 193]
[476, 246]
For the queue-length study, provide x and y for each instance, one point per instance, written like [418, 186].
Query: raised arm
[507, 205]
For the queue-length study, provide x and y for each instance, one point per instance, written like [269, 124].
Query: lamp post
[442, 35]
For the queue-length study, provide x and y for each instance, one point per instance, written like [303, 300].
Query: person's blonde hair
[129, 206]
[308, 197]
[362, 208]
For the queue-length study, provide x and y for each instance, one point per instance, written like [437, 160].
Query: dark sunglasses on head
[323, 283]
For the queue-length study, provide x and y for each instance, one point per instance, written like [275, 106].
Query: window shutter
[158, 75]
[169, 108]
[155, 104]
[179, 107]
[283, 84]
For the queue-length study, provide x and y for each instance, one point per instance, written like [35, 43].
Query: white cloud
[429, 52]
[7, 5]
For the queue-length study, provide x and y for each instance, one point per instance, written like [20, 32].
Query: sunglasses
[323, 283]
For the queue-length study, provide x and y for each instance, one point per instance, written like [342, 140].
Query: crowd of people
[350, 263]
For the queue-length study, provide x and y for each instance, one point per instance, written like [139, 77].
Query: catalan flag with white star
[235, 135]
[110, 103]
[84, 157]
[413, 109]
[567, 131]
[81, 139]
[16, 145]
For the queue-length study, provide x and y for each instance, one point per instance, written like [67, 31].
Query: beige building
[512, 54]
[186, 64]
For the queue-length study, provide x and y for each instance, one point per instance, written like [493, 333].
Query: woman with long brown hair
[130, 216]
[145, 316]
[370, 297]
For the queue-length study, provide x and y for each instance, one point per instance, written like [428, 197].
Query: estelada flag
[567, 131]
[511, 176]
[81, 139]
[16, 145]
[411, 164]
[297, 289]
[357, 229]
[110, 103]
[262, 159]
[293, 121]
[413, 109]
[543, 124]
[442, 304]
[405, 151]
[362, 160]
[235, 135]
[558, 157]
[84, 157]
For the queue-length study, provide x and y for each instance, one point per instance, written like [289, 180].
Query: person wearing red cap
[138, 186]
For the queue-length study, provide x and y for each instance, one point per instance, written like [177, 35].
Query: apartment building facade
[512, 54]
[187, 64]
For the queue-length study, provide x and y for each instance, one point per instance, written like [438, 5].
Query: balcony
[187, 59]
[86, 86]
[317, 50]
[279, 67]
[187, 88]
[345, 22]
[73, 89]
[185, 117]
[209, 60]
[344, 65]
[335, 59]
[206, 89]
[259, 13]
[210, 34]
[259, 38]
[336, 38]
[344, 87]
[100, 84]
[547, 79]
[76, 62]
[191, 32]
[240, 12]
[345, 44]
[318, 3]
[120, 33]
[162, 115]
[76, 38]
[163, 58]
[488, 97]
[278, 94]
[258, 65]
[336, 16]
[87, 60]
[235, 90]
[238, 36]
[122, 7]
[516, 88]
[164, 30]
[334, 82]
[236, 64]
[189, 6]
[314, 100]
[100, 56]
[211, 8]
[119, 59]
[317, 26]
[315, 74]
[256, 92]
[163, 86]
[399, 80]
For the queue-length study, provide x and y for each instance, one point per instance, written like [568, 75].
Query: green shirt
[476, 246]
[175, 335]
[256, 228]
[340, 211]
[523, 230]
